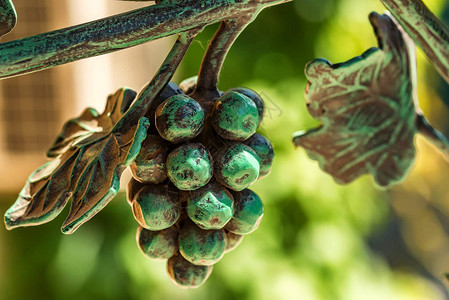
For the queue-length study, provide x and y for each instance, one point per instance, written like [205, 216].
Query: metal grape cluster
[190, 191]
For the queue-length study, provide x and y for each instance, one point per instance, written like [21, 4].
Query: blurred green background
[318, 240]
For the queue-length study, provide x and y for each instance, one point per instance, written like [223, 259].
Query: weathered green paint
[158, 244]
[238, 167]
[155, 207]
[426, 30]
[235, 116]
[264, 150]
[86, 169]
[232, 241]
[201, 247]
[248, 213]
[118, 32]
[8, 17]
[367, 109]
[185, 274]
[210, 207]
[179, 118]
[189, 166]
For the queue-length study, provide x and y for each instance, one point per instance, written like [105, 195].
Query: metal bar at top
[117, 32]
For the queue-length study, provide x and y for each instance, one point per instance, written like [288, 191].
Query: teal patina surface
[248, 213]
[201, 247]
[210, 207]
[189, 166]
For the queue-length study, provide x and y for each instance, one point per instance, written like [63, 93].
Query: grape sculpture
[189, 191]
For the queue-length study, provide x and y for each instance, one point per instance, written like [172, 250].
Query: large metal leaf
[90, 155]
[366, 106]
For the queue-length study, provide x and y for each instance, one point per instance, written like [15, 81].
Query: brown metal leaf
[91, 122]
[367, 109]
[91, 155]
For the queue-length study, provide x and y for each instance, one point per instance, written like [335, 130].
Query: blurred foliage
[317, 241]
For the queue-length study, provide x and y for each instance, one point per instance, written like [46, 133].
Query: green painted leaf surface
[90, 155]
[366, 106]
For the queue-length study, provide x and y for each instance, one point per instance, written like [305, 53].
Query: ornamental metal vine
[193, 149]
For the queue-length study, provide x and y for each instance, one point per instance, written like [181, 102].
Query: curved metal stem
[433, 136]
[425, 29]
[227, 33]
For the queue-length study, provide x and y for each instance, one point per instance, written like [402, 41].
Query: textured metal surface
[119, 32]
[429, 33]
[90, 154]
[367, 109]
[93, 150]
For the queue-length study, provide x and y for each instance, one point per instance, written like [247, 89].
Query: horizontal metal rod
[117, 32]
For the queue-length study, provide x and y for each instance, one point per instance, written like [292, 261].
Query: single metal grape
[158, 244]
[189, 166]
[150, 164]
[210, 207]
[201, 247]
[156, 207]
[247, 214]
[179, 118]
[185, 274]
[235, 116]
[255, 97]
[237, 167]
[264, 150]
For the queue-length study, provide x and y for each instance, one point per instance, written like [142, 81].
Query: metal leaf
[90, 155]
[367, 109]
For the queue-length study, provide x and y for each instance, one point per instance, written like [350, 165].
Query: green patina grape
[210, 207]
[179, 118]
[235, 116]
[158, 244]
[155, 207]
[264, 150]
[149, 165]
[185, 274]
[237, 167]
[201, 247]
[232, 240]
[256, 99]
[169, 90]
[189, 166]
[248, 212]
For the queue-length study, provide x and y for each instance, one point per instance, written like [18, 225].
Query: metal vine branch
[193, 150]
[368, 105]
